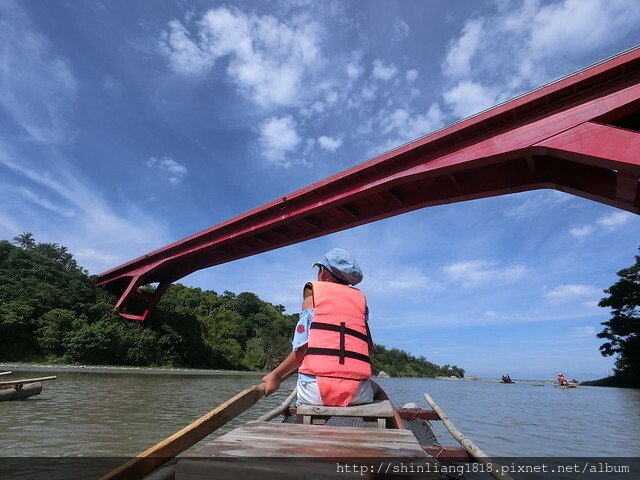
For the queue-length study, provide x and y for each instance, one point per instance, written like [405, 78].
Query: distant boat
[568, 385]
[506, 379]
[21, 389]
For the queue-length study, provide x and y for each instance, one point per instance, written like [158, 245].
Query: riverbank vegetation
[622, 331]
[51, 310]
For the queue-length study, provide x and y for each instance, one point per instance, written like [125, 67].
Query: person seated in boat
[562, 380]
[332, 341]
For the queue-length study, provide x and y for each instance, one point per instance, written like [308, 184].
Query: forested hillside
[51, 310]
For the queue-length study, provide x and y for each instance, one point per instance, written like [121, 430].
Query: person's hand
[271, 383]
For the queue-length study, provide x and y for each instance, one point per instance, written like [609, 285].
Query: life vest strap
[337, 328]
[335, 352]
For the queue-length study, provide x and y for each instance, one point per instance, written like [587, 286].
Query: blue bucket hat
[342, 265]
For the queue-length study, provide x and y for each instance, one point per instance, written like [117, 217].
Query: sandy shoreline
[33, 367]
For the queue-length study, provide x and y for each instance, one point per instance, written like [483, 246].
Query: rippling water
[117, 414]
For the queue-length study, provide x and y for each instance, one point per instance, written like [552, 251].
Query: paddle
[147, 461]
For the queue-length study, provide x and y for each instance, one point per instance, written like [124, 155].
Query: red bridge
[580, 135]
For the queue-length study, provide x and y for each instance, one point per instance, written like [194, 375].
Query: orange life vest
[339, 337]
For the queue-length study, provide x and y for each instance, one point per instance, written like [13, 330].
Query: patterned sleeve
[301, 333]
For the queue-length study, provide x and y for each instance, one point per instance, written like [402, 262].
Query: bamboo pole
[5, 373]
[152, 458]
[493, 468]
[164, 451]
[278, 410]
[27, 380]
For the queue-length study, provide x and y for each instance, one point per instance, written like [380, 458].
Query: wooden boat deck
[295, 451]
[263, 439]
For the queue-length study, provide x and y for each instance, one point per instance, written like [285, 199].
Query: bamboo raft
[22, 388]
[568, 385]
[375, 440]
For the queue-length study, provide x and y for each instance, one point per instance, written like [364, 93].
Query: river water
[121, 414]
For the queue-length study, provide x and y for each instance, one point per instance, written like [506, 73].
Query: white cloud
[468, 97]
[586, 331]
[268, 60]
[581, 232]
[174, 171]
[398, 278]
[91, 255]
[609, 222]
[460, 53]
[531, 43]
[278, 136]
[613, 220]
[332, 96]
[474, 273]
[113, 86]
[45, 203]
[37, 87]
[401, 29]
[185, 55]
[383, 72]
[94, 222]
[579, 26]
[532, 204]
[354, 70]
[329, 143]
[402, 126]
[411, 75]
[8, 226]
[591, 304]
[571, 291]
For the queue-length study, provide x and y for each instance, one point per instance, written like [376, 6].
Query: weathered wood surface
[243, 468]
[377, 409]
[260, 439]
[409, 414]
[25, 381]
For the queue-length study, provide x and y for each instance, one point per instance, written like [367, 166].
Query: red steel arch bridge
[580, 135]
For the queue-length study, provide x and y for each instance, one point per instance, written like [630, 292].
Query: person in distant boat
[562, 380]
[506, 378]
[332, 341]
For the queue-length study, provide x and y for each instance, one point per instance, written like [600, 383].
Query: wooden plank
[243, 468]
[378, 409]
[5, 373]
[259, 439]
[418, 415]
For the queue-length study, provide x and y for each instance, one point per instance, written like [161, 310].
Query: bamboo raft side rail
[279, 410]
[25, 381]
[493, 468]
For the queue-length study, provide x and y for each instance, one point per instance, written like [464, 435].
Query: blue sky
[125, 126]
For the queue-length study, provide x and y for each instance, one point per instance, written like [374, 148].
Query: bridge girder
[579, 135]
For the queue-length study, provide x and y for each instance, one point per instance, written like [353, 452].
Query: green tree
[622, 331]
[24, 240]
[51, 309]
